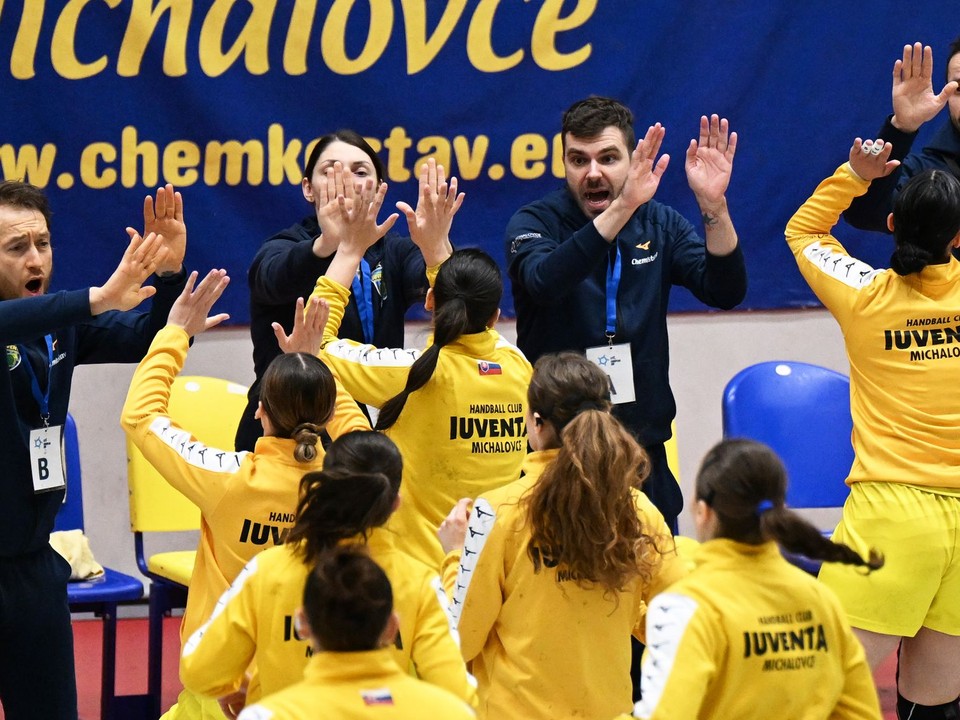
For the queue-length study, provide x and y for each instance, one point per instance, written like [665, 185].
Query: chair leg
[109, 661]
[158, 605]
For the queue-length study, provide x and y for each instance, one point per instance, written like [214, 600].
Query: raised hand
[307, 334]
[914, 101]
[453, 530]
[870, 159]
[165, 217]
[709, 161]
[359, 208]
[124, 289]
[645, 172]
[191, 309]
[337, 182]
[437, 203]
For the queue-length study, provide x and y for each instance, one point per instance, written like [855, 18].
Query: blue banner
[103, 100]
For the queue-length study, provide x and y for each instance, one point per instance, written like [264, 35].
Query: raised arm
[164, 216]
[430, 223]
[709, 165]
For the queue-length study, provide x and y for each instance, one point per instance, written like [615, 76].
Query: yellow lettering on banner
[144, 18]
[397, 144]
[252, 40]
[180, 161]
[63, 50]
[470, 161]
[131, 149]
[558, 169]
[25, 44]
[549, 24]
[24, 162]
[298, 37]
[526, 156]
[421, 50]
[90, 174]
[333, 45]
[233, 153]
[436, 147]
[284, 158]
[480, 41]
[372, 142]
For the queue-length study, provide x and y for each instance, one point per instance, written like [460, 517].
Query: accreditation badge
[46, 458]
[617, 362]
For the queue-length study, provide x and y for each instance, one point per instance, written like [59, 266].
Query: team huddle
[481, 529]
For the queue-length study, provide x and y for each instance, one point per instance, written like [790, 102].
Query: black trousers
[37, 678]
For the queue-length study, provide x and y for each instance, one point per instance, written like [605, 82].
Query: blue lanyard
[43, 399]
[613, 284]
[363, 296]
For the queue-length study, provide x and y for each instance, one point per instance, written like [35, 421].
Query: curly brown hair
[582, 511]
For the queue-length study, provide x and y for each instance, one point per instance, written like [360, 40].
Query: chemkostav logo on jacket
[645, 259]
[491, 428]
[924, 341]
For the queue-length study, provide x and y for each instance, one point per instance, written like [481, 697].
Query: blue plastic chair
[100, 595]
[802, 411]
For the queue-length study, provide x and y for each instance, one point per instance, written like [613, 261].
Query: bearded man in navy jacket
[592, 264]
[45, 336]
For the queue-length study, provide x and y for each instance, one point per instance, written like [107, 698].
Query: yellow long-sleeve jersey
[254, 621]
[461, 434]
[540, 645]
[902, 337]
[247, 500]
[747, 635]
[357, 686]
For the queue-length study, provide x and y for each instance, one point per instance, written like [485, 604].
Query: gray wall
[706, 350]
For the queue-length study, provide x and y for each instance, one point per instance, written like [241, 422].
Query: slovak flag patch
[380, 696]
[489, 368]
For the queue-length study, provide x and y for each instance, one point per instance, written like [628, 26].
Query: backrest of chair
[70, 515]
[802, 411]
[210, 409]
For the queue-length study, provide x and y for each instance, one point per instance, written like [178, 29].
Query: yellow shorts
[190, 706]
[918, 532]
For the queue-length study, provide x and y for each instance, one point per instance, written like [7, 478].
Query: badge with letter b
[46, 458]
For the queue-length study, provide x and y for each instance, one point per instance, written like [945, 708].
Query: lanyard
[43, 399]
[613, 284]
[363, 294]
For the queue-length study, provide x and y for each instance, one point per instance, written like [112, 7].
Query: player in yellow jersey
[747, 631]
[901, 328]
[348, 617]
[246, 500]
[557, 567]
[346, 503]
[456, 408]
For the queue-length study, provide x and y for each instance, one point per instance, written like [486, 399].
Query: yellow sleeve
[478, 594]
[858, 700]
[435, 652]
[337, 297]
[684, 652]
[432, 272]
[668, 566]
[448, 572]
[835, 277]
[217, 655]
[347, 416]
[199, 472]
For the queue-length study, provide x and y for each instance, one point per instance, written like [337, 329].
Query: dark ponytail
[355, 493]
[466, 295]
[926, 219]
[745, 484]
[335, 505]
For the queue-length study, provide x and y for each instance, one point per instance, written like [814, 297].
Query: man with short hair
[45, 336]
[592, 264]
[914, 103]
